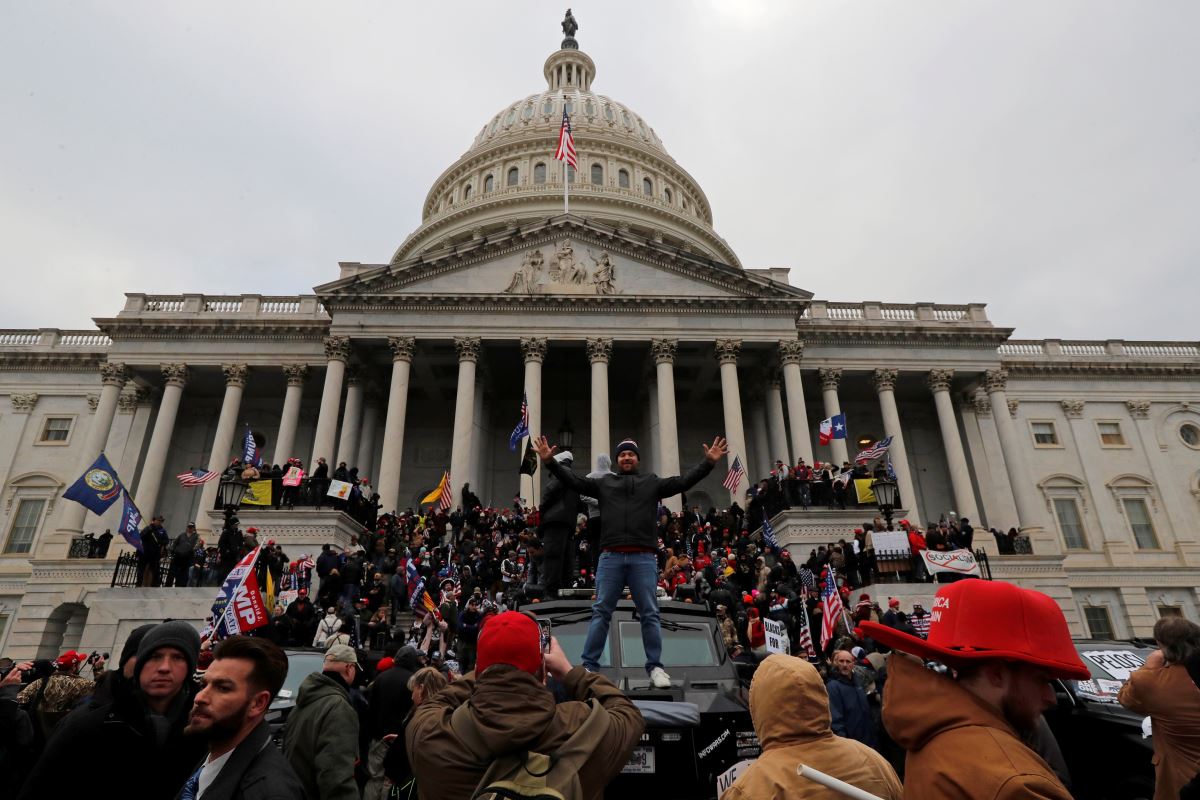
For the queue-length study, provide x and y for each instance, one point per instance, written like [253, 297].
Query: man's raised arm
[681, 483]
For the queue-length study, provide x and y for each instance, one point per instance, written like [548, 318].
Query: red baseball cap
[510, 638]
[70, 659]
[974, 620]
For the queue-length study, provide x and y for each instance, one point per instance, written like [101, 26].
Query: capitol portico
[627, 316]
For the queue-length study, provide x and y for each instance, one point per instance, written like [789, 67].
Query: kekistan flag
[832, 428]
[98, 488]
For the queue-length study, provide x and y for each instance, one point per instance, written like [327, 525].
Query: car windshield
[683, 647]
[300, 666]
[571, 638]
[1110, 667]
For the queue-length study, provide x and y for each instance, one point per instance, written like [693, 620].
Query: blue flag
[522, 429]
[250, 449]
[98, 488]
[769, 534]
[839, 426]
[131, 521]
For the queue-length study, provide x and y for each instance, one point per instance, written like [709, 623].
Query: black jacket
[560, 504]
[628, 500]
[110, 743]
[256, 770]
[391, 699]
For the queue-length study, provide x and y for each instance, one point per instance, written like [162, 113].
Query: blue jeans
[615, 571]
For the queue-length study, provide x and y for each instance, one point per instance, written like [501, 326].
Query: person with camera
[56, 688]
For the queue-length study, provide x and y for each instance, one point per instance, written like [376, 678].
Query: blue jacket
[850, 714]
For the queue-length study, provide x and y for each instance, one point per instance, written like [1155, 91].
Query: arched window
[623, 179]
[647, 187]
[513, 174]
[667, 195]
[467, 192]
[489, 183]
[539, 173]
[597, 174]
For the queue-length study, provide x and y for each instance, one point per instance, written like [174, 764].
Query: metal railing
[128, 570]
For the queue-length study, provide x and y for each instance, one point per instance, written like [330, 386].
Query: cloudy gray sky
[1043, 157]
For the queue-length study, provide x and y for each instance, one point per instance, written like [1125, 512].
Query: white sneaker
[659, 678]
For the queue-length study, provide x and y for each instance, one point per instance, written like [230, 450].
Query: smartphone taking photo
[544, 629]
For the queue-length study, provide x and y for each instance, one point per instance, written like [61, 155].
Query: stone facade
[629, 316]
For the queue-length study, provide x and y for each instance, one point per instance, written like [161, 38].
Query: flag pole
[566, 165]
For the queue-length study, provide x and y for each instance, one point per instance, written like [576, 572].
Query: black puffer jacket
[560, 504]
[628, 500]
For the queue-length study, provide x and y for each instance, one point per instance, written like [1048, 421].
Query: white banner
[339, 489]
[890, 542]
[960, 562]
[730, 776]
[777, 638]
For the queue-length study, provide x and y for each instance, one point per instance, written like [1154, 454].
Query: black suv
[1101, 740]
[698, 730]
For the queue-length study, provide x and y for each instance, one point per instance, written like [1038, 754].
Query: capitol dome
[509, 176]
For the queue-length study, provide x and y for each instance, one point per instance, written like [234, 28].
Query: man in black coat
[154, 543]
[390, 702]
[129, 739]
[229, 713]
[560, 505]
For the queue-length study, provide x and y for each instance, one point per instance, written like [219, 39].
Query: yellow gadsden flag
[436, 494]
[258, 494]
[862, 486]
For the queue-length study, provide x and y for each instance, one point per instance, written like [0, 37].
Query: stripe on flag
[831, 607]
[805, 637]
[566, 143]
[196, 477]
[735, 475]
[875, 450]
[447, 498]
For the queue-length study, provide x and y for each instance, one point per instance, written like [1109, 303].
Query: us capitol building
[628, 316]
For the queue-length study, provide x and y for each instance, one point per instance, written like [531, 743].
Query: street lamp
[231, 493]
[566, 435]
[885, 491]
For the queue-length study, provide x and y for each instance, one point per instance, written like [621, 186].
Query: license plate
[641, 762]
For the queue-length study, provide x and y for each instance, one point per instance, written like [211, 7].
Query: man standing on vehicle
[628, 542]
[504, 708]
[1167, 689]
[964, 734]
[560, 504]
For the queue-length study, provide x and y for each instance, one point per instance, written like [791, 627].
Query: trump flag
[239, 607]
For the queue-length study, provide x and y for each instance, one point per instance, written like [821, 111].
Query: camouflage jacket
[62, 694]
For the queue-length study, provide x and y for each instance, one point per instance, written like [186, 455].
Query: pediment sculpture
[566, 273]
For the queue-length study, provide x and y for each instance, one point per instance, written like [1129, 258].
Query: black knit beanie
[131, 644]
[178, 634]
[628, 444]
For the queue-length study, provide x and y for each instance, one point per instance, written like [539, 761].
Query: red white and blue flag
[566, 143]
[831, 608]
[522, 429]
[735, 475]
[875, 450]
[239, 607]
[832, 428]
[130, 525]
[805, 636]
[196, 477]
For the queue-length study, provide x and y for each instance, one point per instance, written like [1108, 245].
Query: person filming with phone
[500, 724]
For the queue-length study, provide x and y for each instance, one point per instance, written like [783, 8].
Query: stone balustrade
[251, 306]
[53, 339]
[876, 312]
[1110, 349]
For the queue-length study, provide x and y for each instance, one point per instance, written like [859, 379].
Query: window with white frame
[57, 430]
[1044, 434]
[1110, 433]
[539, 173]
[513, 175]
[1138, 514]
[489, 183]
[25, 522]
[623, 178]
[1070, 523]
[1099, 622]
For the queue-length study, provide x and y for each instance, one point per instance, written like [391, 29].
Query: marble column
[956, 460]
[776, 428]
[1025, 496]
[464, 412]
[388, 485]
[599, 352]
[223, 441]
[285, 442]
[351, 420]
[176, 376]
[790, 352]
[763, 463]
[478, 436]
[651, 452]
[337, 353]
[831, 377]
[731, 403]
[365, 459]
[112, 378]
[885, 387]
[668, 431]
[533, 349]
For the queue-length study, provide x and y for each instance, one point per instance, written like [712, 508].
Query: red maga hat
[975, 620]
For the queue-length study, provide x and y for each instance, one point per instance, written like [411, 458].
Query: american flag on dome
[875, 450]
[566, 143]
[735, 475]
[196, 477]
[831, 607]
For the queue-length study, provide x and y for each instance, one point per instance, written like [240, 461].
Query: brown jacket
[516, 713]
[1168, 695]
[958, 746]
[790, 709]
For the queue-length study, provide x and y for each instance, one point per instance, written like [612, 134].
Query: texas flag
[832, 428]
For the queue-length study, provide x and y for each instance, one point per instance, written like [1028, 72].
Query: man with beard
[230, 714]
[964, 734]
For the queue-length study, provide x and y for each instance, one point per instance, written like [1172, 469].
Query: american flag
[769, 534]
[875, 450]
[566, 143]
[805, 637]
[831, 608]
[447, 497]
[196, 477]
[735, 475]
[305, 562]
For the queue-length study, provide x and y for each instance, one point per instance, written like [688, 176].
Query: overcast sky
[1042, 157]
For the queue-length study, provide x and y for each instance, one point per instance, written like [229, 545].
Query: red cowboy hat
[975, 620]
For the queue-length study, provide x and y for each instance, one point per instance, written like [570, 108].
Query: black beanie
[178, 634]
[628, 444]
[132, 643]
